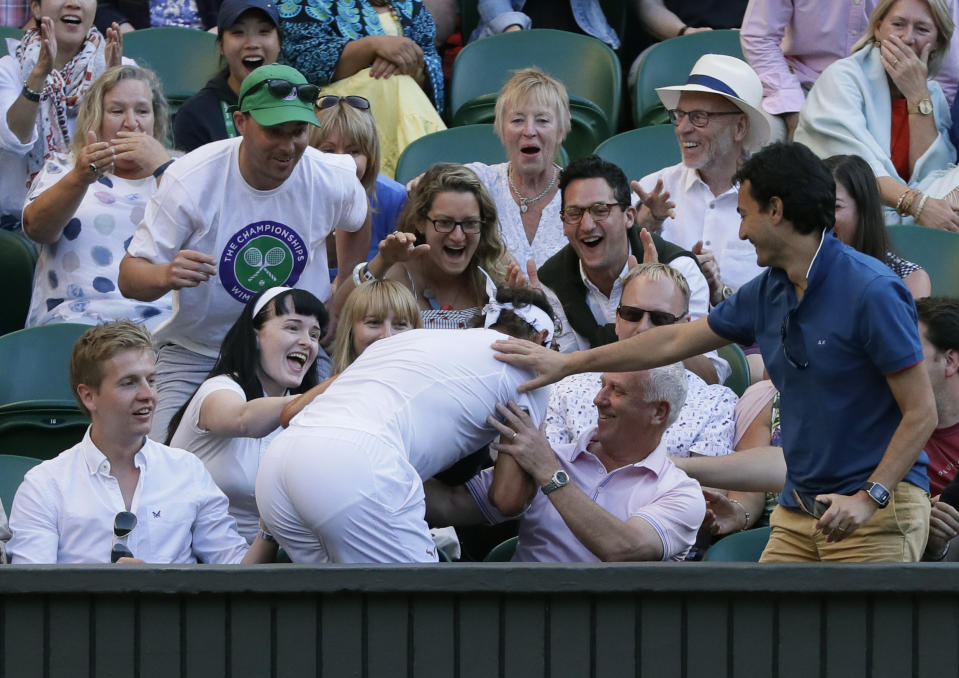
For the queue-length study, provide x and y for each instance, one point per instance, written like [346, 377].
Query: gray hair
[666, 383]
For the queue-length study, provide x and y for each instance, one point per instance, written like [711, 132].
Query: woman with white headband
[268, 357]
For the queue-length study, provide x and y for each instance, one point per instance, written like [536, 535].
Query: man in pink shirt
[790, 42]
[612, 495]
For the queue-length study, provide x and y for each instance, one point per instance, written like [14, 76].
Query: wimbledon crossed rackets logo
[259, 256]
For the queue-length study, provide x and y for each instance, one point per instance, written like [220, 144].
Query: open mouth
[250, 63]
[143, 412]
[592, 241]
[297, 359]
[71, 19]
[529, 150]
[454, 252]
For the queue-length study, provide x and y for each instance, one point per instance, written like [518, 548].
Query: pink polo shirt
[653, 489]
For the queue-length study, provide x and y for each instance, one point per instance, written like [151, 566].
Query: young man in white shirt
[117, 495]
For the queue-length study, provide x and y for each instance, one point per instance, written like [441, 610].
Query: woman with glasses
[42, 86]
[248, 37]
[267, 358]
[446, 245]
[880, 104]
[382, 50]
[83, 208]
[347, 127]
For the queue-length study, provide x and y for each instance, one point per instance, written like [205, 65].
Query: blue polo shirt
[855, 324]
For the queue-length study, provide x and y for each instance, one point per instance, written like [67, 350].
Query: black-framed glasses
[444, 225]
[793, 347]
[634, 314]
[331, 100]
[597, 212]
[281, 88]
[123, 524]
[697, 118]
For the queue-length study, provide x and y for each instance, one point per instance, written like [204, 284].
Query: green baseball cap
[278, 94]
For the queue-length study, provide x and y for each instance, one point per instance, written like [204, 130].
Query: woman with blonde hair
[879, 103]
[83, 208]
[347, 127]
[532, 120]
[446, 245]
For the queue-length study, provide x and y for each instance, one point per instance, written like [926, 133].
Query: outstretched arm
[659, 346]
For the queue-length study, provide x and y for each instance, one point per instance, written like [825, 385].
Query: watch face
[561, 477]
[925, 107]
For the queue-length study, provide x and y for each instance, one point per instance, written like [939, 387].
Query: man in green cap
[235, 217]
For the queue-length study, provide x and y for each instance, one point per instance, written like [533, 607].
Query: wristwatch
[924, 107]
[559, 479]
[728, 291]
[878, 492]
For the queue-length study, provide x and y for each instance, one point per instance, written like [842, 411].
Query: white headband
[531, 313]
[266, 297]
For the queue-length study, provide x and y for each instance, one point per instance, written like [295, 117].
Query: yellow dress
[402, 110]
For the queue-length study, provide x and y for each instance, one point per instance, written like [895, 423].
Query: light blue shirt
[498, 15]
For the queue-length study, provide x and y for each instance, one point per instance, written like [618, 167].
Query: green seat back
[669, 62]
[468, 143]
[36, 361]
[8, 32]
[17, 261]
[587, 67]
[503, 552]
[741, 547]
[12, 469]
[642, 151]
[41, 429]
[739, 380]
[935, 250]
[184, 58]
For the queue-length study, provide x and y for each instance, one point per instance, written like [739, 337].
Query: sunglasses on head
[282, 88]
[123, 524]
[331, 100]
[634, 314]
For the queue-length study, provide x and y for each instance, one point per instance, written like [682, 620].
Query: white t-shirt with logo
[260, 239]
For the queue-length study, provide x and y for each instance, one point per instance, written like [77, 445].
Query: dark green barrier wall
[490, 620]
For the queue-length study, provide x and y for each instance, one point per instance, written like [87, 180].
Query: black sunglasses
[634, 314]
[282, 88]
[793, 347]
[331, 100]
[123, 524]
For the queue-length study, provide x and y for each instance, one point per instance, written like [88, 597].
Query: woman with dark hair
[268, 357]
[248, 37]
[859, 221]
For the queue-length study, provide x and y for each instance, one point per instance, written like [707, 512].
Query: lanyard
[228, 120]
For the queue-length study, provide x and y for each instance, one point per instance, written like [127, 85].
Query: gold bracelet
[902, 197]
[907, 204]
[922, 203]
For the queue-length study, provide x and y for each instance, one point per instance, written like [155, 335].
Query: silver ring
[93, 168]
[515, 433]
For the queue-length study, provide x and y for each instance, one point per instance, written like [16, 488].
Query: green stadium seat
[739, 380]
[468, 143]
[12, 470]
[642, 151]
[935, 250]
[503, 552]
[183, 58]
[17, 261]
[8, 32]
[38, 415]
[587, 67]
[669, 63]
[741, 547]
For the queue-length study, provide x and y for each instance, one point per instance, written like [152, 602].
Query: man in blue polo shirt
[838, 334]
